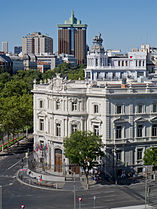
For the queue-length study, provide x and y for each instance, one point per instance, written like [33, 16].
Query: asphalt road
[15, 194]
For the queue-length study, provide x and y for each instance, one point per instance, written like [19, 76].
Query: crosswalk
[106, 198]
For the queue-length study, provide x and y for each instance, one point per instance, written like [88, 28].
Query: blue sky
[124, 24]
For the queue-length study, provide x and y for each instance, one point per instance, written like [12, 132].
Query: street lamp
[74, 192]
[80, 200]
[1, 134]
[94, 201]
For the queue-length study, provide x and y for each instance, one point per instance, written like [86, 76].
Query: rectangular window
[154, 130]
[41, 145]
[140, 107]
[118, 132]
[96, 62]
[73, 128]
[74, 106]
[58, 129]
[118, 109]
[118, 155]
[96, 109]
[139, 130]
[154, 107]
[98, 75]
[140, 63]
[96, 130]
[41, 104]
[88, 75]
[139, 154]
[41, 124]
[57, 105]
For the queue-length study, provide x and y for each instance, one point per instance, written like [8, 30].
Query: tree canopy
[83, 148]
[150, 156]
[16, 100]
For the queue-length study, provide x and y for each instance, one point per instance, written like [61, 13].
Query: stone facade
[125, 115]
[101, 65]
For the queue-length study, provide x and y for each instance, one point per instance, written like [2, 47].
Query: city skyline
[123, 24]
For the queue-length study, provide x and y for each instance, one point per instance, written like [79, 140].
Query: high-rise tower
[37, 44]
[72, 39]
[5, 47]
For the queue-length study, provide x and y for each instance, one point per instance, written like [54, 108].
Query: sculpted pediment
[120, 120]
[42, 113]
[154, 119]
[58, 83]
[138, 120]
[96, 120]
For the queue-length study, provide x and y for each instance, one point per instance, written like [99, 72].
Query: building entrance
[58, 160]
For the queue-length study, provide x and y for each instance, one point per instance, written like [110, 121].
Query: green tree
[4, 77]
[48, 74]
[83, 148]
[14, 88]
[150, 156]
[9, 115]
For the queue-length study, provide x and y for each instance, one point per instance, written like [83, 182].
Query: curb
[42, 188]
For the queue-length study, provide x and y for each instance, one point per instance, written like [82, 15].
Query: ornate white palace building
[103, 65]
[124, 114]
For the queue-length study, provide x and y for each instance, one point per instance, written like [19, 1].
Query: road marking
[14, 164]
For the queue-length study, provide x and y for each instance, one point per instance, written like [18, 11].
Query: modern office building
[17, 49]
[5, 47]
[49, 59]
[37, 44]
[124, 114]
[72, 39]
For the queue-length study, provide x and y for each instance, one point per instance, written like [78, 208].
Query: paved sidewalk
[24, 177]
[136, 207]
